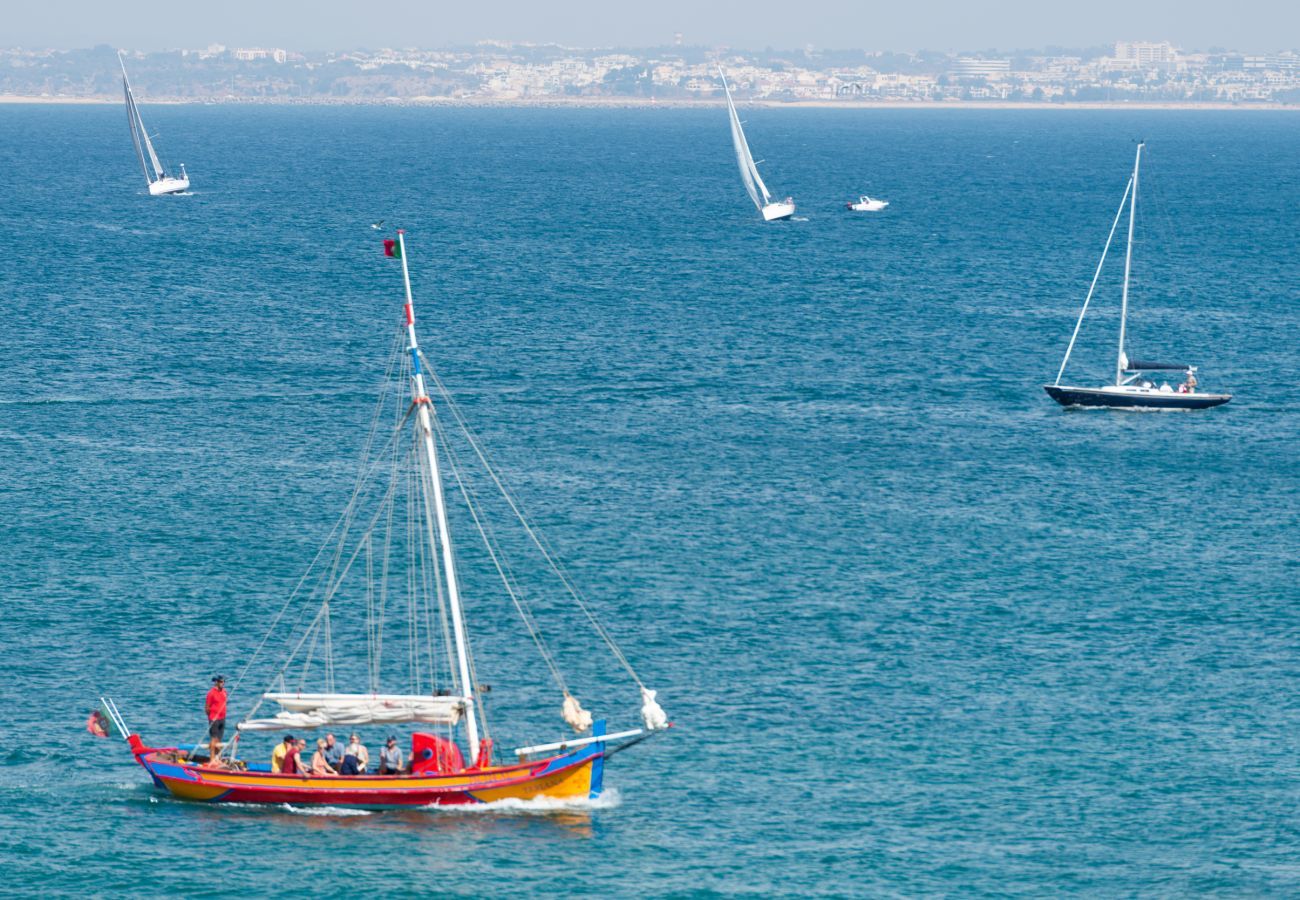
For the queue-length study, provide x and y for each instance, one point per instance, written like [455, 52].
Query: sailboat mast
[420, 397]
[132, 115]
[1128, 265]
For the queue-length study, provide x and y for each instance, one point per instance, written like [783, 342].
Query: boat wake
[1129, 409]
[798, 218]
[539, 806]
[337, 811]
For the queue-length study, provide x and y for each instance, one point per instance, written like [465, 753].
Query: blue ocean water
[920, 630]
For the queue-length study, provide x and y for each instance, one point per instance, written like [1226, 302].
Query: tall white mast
[1128, 264]
[420, 397]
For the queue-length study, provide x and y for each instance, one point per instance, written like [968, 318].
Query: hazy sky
[1248, 25]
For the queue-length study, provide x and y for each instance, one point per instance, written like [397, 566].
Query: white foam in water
[324, 810]
[539, 806]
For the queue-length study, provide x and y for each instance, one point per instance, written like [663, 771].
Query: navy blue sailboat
[1132, 388]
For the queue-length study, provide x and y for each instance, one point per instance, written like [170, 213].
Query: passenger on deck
[292, 764]
[333, 752]
[280, 752]
[1190, 384]
[355, 758]
[390, 758]
[319, 764]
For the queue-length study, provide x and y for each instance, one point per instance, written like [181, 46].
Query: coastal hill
[1127, 72]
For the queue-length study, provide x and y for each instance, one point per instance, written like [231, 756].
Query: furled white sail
[652, 714]
[574, 715]
[748, 170]
[308, 711]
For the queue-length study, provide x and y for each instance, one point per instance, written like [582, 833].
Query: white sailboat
[159, 181]
[758, 192]
[1132, 387]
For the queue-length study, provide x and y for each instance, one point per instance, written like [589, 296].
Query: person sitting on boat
[292, 763]
[215, 705]
[281, 750]
[319, 764]
[355, 758]
[1189, 386]
[390, 758]
[333, 752]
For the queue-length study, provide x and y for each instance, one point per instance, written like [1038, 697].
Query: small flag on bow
[392, 248]
[99, 724]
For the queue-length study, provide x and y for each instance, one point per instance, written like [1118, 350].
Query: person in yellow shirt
[277, 755]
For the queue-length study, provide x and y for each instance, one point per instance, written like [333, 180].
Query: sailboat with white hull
[757, 190]
[154, 173]
[1132, 388]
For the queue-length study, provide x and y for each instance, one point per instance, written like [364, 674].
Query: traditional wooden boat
[398, 560]
[575, 774]
[1133, 389]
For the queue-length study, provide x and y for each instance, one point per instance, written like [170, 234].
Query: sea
[919, 630]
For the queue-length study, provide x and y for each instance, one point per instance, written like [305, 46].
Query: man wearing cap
[390, 758]
[215, 704]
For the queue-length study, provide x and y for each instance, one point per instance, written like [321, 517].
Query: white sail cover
[652, 714]
[574, 715]
[748, 171]
[307, 711]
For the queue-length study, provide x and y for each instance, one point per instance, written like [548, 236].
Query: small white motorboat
[866, 204]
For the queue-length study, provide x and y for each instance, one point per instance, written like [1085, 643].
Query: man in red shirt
[215, 704]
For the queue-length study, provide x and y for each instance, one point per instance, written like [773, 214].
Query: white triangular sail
[748, 170]
[139, 136]
[131, 117]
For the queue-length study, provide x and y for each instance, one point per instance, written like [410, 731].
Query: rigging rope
[395, 355]
[525, 613]
[539, 542]
[333, 589]
[1096, 275]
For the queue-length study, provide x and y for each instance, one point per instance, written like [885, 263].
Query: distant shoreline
[642, 103]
